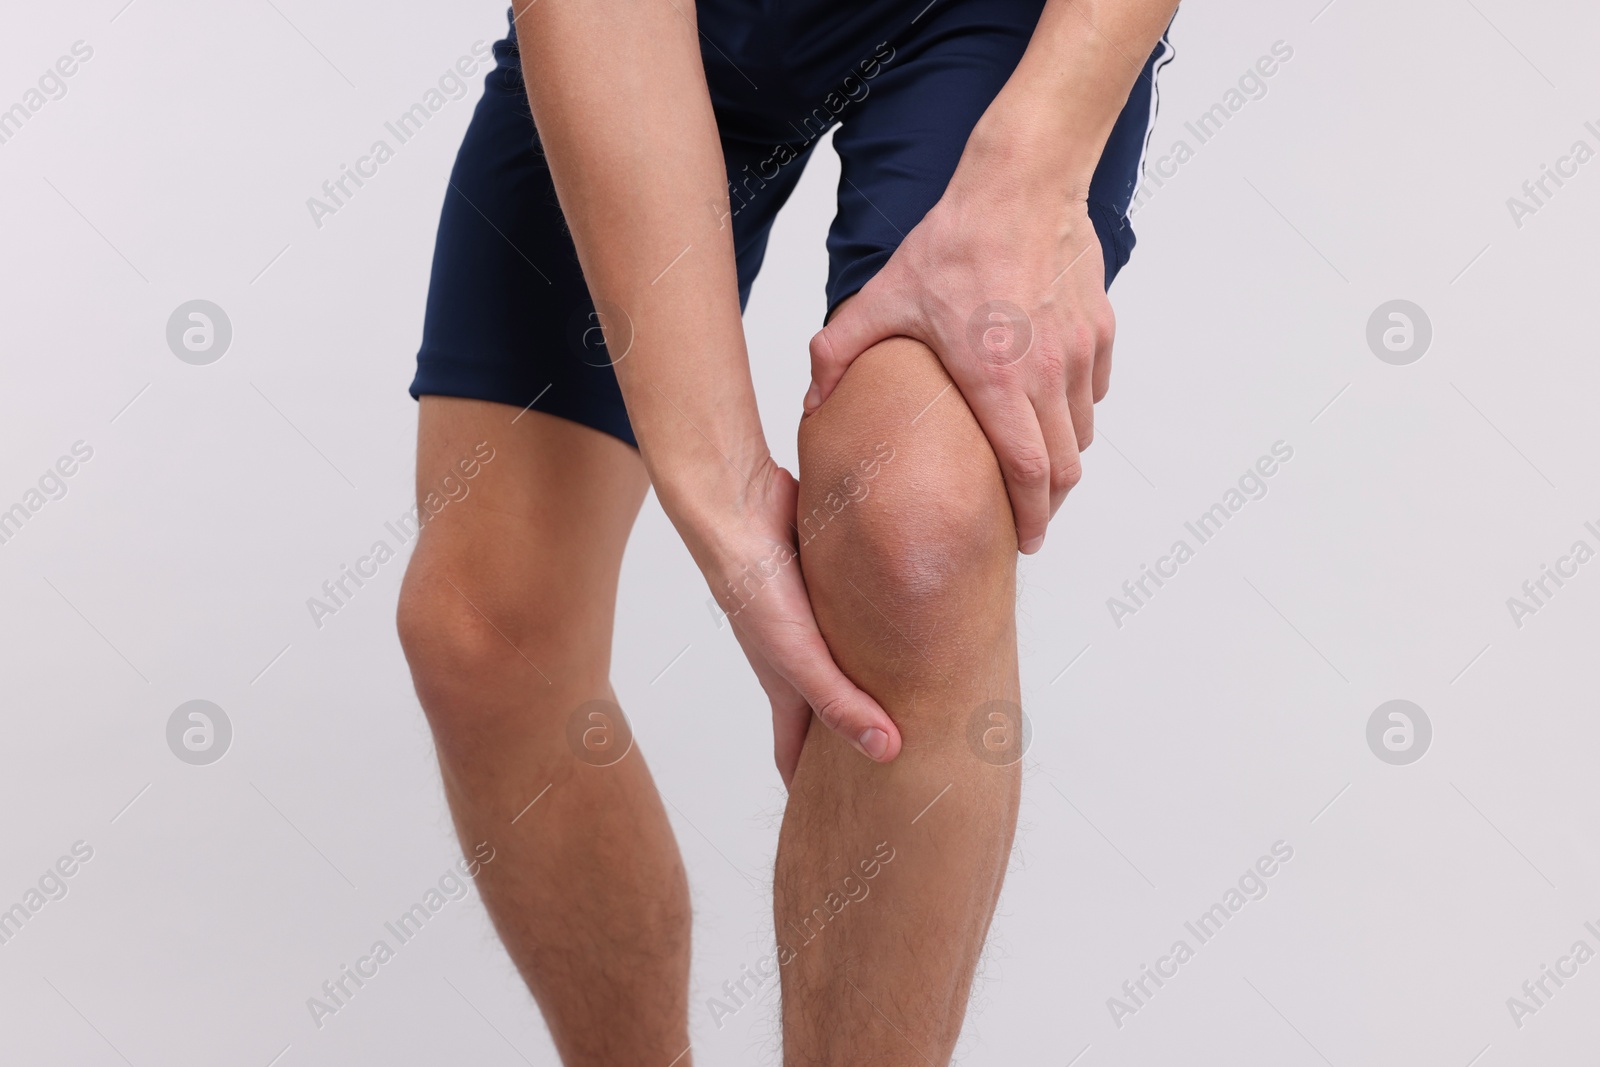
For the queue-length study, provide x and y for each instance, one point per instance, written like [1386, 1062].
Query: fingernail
[874, 742]
[1033, 545]
[813, 397]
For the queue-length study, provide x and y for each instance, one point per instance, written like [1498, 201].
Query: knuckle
[1079, 345]
[821, 349]
[1030, 466]
[1105, 325]
[1067, 476]
[831, 710]
[1052, 364]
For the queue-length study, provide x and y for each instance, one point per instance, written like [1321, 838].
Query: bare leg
[506, 618]
[883, 901]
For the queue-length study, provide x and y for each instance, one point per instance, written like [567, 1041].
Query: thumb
[852, 330]
[842, 707]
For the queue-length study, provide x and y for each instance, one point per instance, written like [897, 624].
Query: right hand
[757, 581]
[1026, 239]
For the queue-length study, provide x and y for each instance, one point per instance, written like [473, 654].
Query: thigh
[526, 519]
[509, 318]
[508, 315]
[901, 143]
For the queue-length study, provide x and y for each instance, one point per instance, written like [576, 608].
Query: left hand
[752, 563]
[997, 235]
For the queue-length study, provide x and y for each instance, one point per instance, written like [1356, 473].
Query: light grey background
[1228, 714]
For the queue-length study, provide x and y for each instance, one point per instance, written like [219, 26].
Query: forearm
[619, 96]
[1052, 119]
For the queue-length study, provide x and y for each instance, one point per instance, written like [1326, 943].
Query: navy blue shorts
[509, 317]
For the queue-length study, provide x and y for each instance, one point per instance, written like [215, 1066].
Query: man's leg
[887, 876]
[506, 619]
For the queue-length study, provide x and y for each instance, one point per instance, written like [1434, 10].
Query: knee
[913, 539]
[900, 493]
[473, 653]
[449, 644]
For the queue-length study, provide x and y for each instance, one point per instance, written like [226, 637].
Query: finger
[791, 715]
[791, 646]
[791, 721]
[1010, 423]
[843, 708]
[1080, 404]
[1105, 337]
[1058, 422]
[854, 327]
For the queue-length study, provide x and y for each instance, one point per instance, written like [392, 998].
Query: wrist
[719, 512]
[1050, 122]
[1024, 142]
